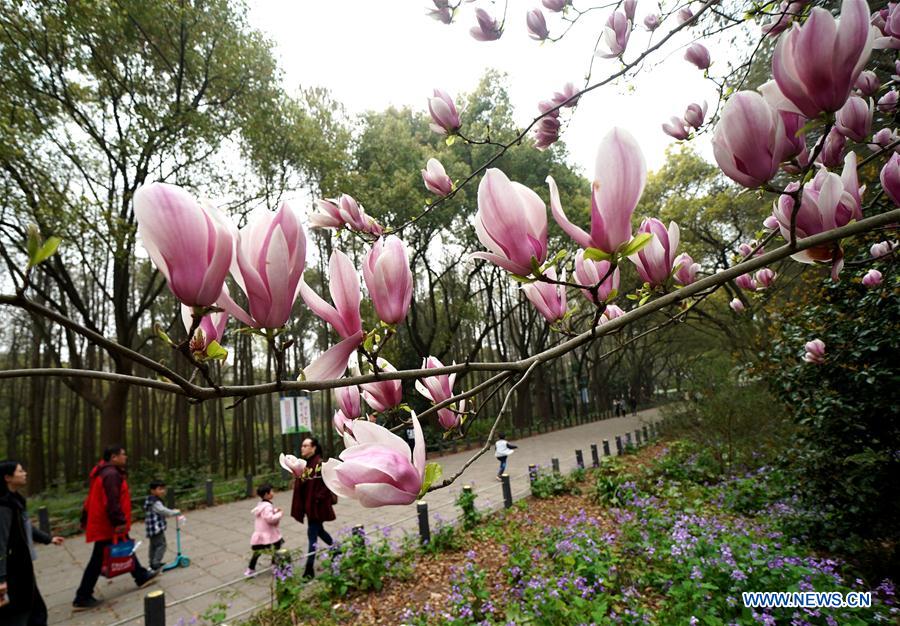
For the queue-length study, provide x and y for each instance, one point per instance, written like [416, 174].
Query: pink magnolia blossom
[765, 278]
[620, 174]
[890, 178]
[376, 467]
[888, 102]
[888, 22]
[343, 284]
[211, 328]
[698, 55]
[867, 83]
[444, 116]
[793, 143]
[348, 399]
[441, 12]
[343, 211]
[745, 282]
[537, 25]
[189, 243]
[511, 222]
[677, 129]
[655, 261]
[566, 97]
[385, 394]
[590, 273]
[872, 278]
[684, 14]
[436, 179]
[438, 389]
[686, 272]
[271, 256]
[389, 279]
[555, 5]
[854, 120]
[546, 132]
[292, 464]
[610, 313]
[770, 223]
[487, 28]
[547, 298]
[882, 139]
[815, 352]
[785, 15]
[615, 35]
[652, 21]
[882, 248]
[629, 6]
[746, 249]
[342, 423]
[817, 64]
[695, 114]
[736, 305]
[749, 141]
[333, 362]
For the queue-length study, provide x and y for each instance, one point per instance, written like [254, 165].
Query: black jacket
[17, 552]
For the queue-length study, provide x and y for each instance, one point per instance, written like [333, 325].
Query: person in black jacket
[21, 603]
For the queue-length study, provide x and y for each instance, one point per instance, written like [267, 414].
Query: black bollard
[210, 497]
[646, 435]
[555, 463]
[595, 457]
[155, 608]
[619, 448]
[579, 459]
[532, 473]
[507, 491]
[637, 437]
[250, 489]
[627, 439]
[606, 447]
[424, 528]
[44, 519]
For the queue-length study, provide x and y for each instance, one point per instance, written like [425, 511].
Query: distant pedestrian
[106, 516]
[617, 406]
[503, 449]
[313, 501]
[155, 514]
[632, 400]
[266, 535]
[21, 603]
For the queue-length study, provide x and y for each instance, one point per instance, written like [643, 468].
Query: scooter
[180, 559]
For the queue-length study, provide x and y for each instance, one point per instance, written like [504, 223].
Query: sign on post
[296, 416]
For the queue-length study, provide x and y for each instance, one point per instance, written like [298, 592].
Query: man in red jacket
[106, 515]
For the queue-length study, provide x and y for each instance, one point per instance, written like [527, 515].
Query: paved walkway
[217, 539]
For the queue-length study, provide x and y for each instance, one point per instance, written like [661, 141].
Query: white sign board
[304, 413]
[296, 416]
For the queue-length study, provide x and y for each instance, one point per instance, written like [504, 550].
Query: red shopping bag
[118, 557]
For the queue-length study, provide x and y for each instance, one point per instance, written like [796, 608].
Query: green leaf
[162, 334]
[45, 251]
[32, 242]
[637, 244]
[596, 254]
[215, 351]
[450, 140]
[369, 343]
[612, 295]
[522, 279]
[433, 473]
[535, 267]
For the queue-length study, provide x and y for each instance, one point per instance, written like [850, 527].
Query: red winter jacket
[108, 504]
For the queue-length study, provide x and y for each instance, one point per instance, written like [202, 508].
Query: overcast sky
[372, 55]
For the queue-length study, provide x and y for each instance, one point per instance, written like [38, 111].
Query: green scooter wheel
[184, 561]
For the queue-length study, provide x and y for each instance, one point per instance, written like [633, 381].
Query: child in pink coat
[266, 535]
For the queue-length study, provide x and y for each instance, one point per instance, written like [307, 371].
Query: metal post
[646, 435]
[507, 490]
[155, 608]
[424, 528]
[44, 520]
[627, 439]
[595, 456]
[532, 473]
[606, 447]
[555, 463]
[619, 448]
[250, 489]
[210, 497]
[579, 459]
[358, 531]
[637, 437]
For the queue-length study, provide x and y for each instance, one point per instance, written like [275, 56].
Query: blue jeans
[503, 460]
[314, 531]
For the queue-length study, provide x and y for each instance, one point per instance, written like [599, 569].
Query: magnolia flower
[348, 399]
[630, 6]
[655, 260]
[888, 102]
[854, 120]
[189, 243]
[436, 179]
[566, 97]
[695, 114]
[890, 178]
[882, 139]
[386, 394]
[872, 278]
[555, 5]
[444, 116]
[770, 223]
[736, 305]
[537, 25]
[376, 466]
[442, 12]
[487, 29]
[765, 278]
[748, 142]
[746, 282]
[438, 389]
[511, 222]
[684, 14]
[615, 35]
[698, 55]
[746, 249]
[211, 328]
[815, 352]
[546, 133]
[610, 313]
[786, 13]
[833, 151]
[547, 298]
[292, 464]
[389, 279]
[888, 22]
[685, 269]
[652, 22]
[342, 423]
[882, 248]
[343, 284]
[271, 256]
[620, 174]
[343, 211]
[817, 64]
[677, 129]
[333, 362]
[867, 83]
[590, 273]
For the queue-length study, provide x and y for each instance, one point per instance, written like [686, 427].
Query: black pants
[36, 615]
[315, 531]
[92, 572]
[259, 548]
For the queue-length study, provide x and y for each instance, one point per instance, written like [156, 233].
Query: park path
[217, 539]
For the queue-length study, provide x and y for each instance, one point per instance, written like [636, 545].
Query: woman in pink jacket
[266, 535]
